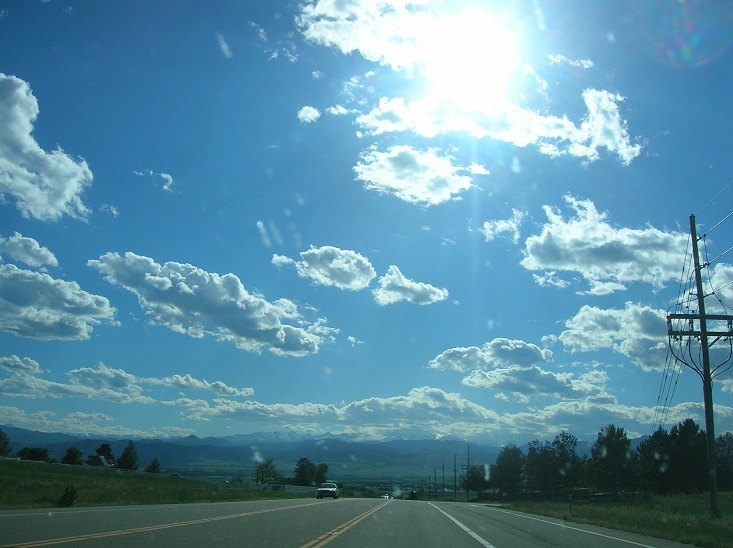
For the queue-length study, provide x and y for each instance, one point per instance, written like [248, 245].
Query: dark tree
[611, 459]
[477, 479]
[72, 456]
[567, 462]
[305, 472]
[321, 473]
[724, 453]
[506, 474]
[689, 457]
[34, 453]
[128, 459]
[5, 448]
[652, 463]
[265, 472]
[153, 467]
[540, 471]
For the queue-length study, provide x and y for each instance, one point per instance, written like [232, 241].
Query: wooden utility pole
[702, 333]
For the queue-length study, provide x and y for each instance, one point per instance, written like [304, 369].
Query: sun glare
[469, 60]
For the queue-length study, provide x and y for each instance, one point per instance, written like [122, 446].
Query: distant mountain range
[239, 454]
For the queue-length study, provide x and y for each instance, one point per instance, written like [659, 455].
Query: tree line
[667, 462]
[305, 473]
[128, 459]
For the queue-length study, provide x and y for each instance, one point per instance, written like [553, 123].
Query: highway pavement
[306, 523]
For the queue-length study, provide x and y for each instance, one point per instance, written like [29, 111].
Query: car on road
[327, 490]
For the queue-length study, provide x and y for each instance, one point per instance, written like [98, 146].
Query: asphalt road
[305, 523]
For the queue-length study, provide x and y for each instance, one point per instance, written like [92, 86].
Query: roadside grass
[27, 484]
[681, 518]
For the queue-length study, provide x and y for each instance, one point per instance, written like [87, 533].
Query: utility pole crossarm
[676, 333]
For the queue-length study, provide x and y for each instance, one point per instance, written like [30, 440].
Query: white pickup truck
[327, 490]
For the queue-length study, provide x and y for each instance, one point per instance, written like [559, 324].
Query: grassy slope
[682, 518]
[25, 484]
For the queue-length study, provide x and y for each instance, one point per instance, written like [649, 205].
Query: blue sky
[376, 219]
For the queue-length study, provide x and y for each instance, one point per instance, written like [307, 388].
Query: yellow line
[336, 531]
[149, 528]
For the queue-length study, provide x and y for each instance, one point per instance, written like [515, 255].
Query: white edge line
[564, 526]
[466, 529]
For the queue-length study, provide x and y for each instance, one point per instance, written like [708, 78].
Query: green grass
[25, 484]
[682, 518]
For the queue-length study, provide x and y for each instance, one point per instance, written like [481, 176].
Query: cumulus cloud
[601, 127]
[414, 176]
[87, 424]
[499, 352]
[524, 382]
[27, 250]
[187, 382]
[332, 266]
[395, 287]
[45, 185]
[100, 383]
[308, 114]
[607, 257]
[636, 331]
[189, 300]
[494, 229]
[427, 412]
[14, 363]
[37, 306]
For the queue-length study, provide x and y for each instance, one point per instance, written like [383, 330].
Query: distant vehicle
[386, 497]
[327, 490]
[412, 495]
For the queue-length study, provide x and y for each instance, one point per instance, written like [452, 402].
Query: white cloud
[607, 257]
[101, 383]
[338, 110]
[394, 287]
[27, 250]
[579, 63]
[499, 352]
[602, 127]
[83, 423]
[223, 45]
[168, 181]
[14, 363]
[37, 306]
[188, 382]
[493, 229]
[527, 382]
[187, 299]
[308, 114]
[45, 185]
[332, 266]
[412, 175]
[636, 331]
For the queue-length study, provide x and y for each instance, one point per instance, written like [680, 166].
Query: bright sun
[469, 59]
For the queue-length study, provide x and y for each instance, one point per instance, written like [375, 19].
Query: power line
[720, 222]
[716, 196]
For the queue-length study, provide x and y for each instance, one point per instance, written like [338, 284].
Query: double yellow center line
[320, 541]
[336, 531]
